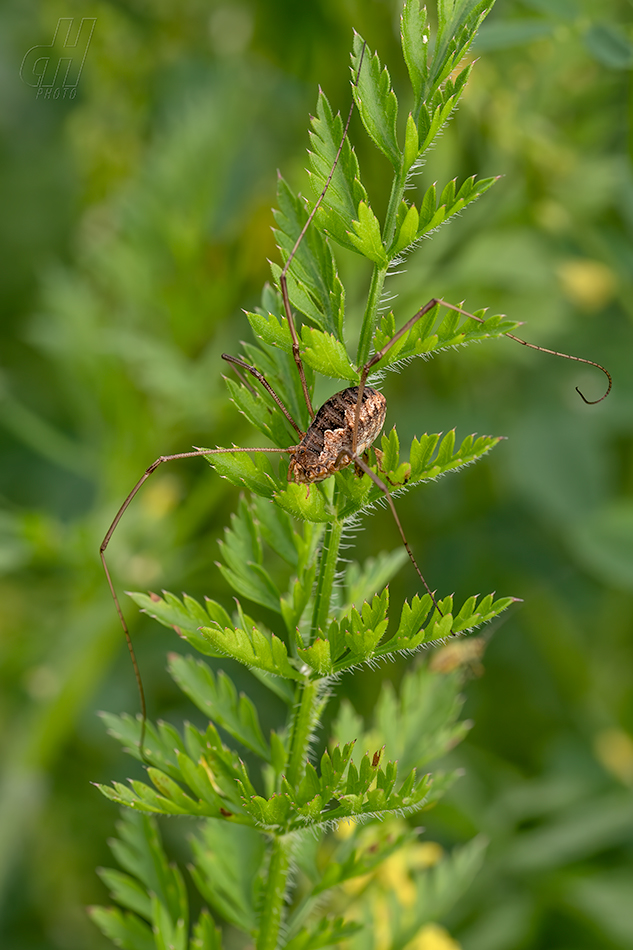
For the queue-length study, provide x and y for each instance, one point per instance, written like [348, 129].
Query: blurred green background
[135, 226]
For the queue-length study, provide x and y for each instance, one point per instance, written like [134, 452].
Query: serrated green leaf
[390, 445]
[185, 617]
[279, 368]
[411, 797]
[407, 233]
[421, 453]
[198, 778]
[446, 451]
[227, 861]
[447, 196]
[359, 632]
[143, 798]
[271, 330]
[124, 930]
[327, 355]
[353, 491]
[427, 461]
[333, 765]
[415, 44]
[160, 744]
[345, 191]
[270, 812]
[424, 337]
[366, 238]
[242, 469]
[449, 202]
[457, 25]
[427, 208]
[253, 649]
[305, 502]
[168, 789]
[217, 698]
[170, 932]
[313, 285]
[411, 144]
[139, 850]
[419, 624]
[206, 936]
[292, 608]
[317, 656]
[127, 891]
[264, 416]
[435, 118]
[361, 582]
[253, 581]
[376, 101]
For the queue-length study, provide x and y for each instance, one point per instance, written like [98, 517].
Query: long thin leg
[262, 379]
[282, 277]
[435, 301]
[378, 356]
[360, 462]
[244, 381]
[576, 359]
[108, 536]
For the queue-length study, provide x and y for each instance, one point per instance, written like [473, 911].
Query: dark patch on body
[327, 445]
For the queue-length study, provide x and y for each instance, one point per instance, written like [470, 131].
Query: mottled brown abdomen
[327, 445]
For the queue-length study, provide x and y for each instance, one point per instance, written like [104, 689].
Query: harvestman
[340, 432]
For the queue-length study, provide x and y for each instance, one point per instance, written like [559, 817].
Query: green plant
[264, 860]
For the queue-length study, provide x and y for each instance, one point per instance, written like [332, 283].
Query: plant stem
[306, 707]
[273, 899]
[302, 728]
[370, 315]
[326, 576]
[391, 217]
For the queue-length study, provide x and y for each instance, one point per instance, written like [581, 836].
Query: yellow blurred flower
[614, 750]
[433, 937]
[345, 829]
[588, 284]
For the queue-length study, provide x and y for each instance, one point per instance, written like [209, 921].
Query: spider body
[328, 445]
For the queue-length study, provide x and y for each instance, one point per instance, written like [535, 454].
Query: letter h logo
[55, 68]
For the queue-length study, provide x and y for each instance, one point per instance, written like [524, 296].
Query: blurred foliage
[132, 235]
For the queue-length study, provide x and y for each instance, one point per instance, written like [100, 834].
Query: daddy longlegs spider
[340, 433]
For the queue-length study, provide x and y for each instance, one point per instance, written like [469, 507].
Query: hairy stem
[273, 899]
[306, 710]
[371, 315]
[396, 196]
[302, 729]
[326, 576]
